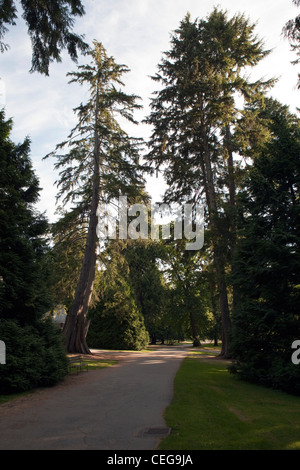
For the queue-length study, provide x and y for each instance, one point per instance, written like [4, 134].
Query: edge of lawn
[213, 409]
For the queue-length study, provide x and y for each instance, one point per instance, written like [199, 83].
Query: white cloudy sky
[135, 32]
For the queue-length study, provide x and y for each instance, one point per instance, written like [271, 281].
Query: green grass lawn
[97, 364]
[214, 410]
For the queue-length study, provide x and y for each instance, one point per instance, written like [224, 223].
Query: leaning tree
[101, 162]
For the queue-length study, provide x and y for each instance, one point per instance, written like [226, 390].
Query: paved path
[117, 408]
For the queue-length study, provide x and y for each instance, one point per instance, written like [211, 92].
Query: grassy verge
[97, 364]
[213, 410]
[5, 398]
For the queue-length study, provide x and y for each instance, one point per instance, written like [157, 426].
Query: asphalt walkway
[117, 408]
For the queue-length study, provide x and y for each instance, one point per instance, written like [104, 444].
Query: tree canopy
[101, 163]
[266, 265]
[221, 142]
[23, 247]
[50, 27]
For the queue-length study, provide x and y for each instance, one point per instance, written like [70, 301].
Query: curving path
[117, 408]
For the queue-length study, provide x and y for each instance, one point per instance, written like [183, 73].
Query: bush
[35, 356]
[116, 322]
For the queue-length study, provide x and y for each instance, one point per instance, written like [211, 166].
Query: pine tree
[23, 248]
[267, 262]
[50, 27]
[35, 356]
[194, 116]
[101, 164]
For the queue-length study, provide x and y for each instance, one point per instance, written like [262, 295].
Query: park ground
[214, 410]
[208, 408]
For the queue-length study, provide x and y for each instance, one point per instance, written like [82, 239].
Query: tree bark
[219, 260]
[195, 333]
[232, 202]
[76, 326]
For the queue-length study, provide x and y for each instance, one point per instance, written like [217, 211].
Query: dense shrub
[266, 267]
[35, 356]
[116, 322]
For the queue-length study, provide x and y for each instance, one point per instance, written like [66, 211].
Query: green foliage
[200, 76]
[35, 356]
[98, 148]
[194, 117]
[150, 291]
[116, 322]
[50, 27]
[24, 294]
[69, 237]
[100, 163]
[267, 263]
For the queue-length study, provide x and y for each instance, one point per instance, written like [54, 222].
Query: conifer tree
[266, 266]
[101, 164]
[194, 116]
[24, 296]
[50, 26]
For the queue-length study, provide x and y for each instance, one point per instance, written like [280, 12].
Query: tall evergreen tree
[267, 261]
[23, 284]
[50, 26]
[194, 116]
[101, 164]
[34, 350]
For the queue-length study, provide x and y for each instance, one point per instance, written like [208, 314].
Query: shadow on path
[117, 408]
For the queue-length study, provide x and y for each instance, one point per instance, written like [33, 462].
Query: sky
[135, 33]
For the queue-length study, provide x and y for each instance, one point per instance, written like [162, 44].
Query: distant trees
[116, 320]
[183, 271]
[143, 258]
[50, 27]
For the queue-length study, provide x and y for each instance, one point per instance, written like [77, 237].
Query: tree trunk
[195, 333]
[76, 326]
[232, 202]
[219, 260]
